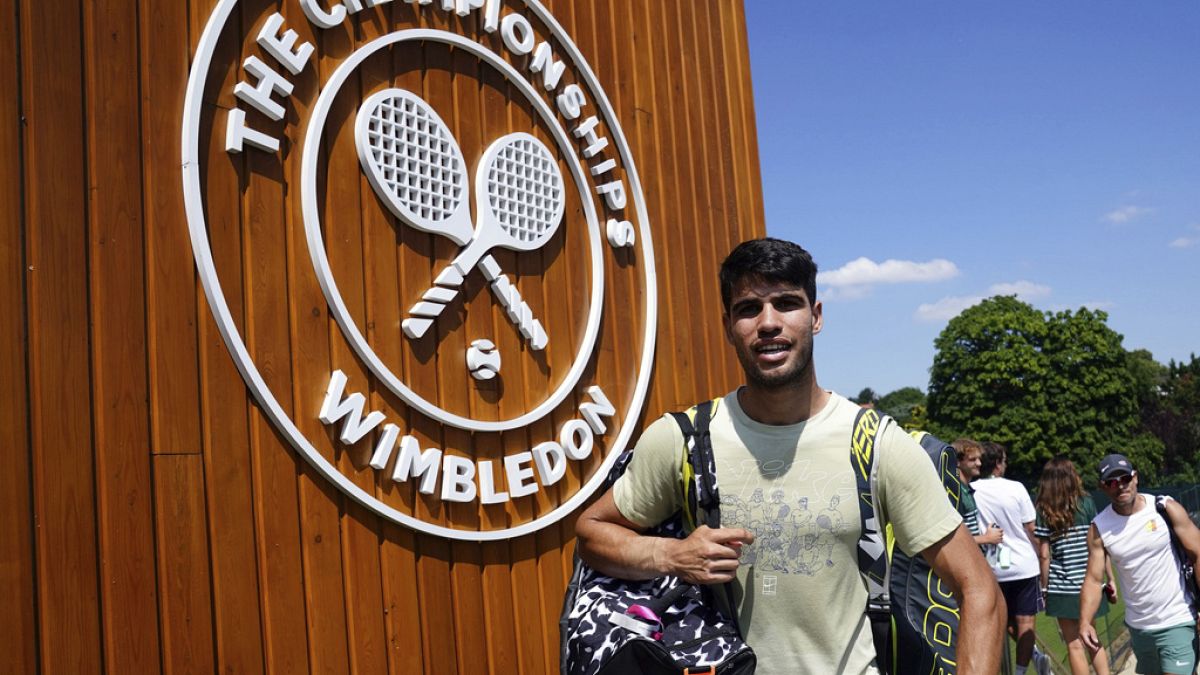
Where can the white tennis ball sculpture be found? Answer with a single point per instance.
(483, 361)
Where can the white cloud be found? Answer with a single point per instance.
(1187, 242)
(946, 308)
(949, 307)
(845, 292)
(856, 278)
(1022, 289)
(1126, 214)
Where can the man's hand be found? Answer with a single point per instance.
(615, 546)
(707, 556)
(1087, 633)
(994, 535)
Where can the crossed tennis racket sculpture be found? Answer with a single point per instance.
(417, 169)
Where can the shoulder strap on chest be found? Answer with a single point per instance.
(700, 498)
(1187, 571)
(1160, 505)
(872, 551)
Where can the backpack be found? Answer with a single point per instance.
(924, 614)
(1187, 572)
(661, 625)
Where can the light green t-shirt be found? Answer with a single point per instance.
(800, 594)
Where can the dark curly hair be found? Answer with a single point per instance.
(770, 259)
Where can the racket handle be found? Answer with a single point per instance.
(447, 284)
(433, 301)
(519, 313)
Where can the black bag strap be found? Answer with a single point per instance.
(1187, 571)
(872, 548)
(701, 501)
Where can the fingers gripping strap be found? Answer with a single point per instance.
(871, 553)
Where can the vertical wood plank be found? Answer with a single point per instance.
(225, 408)
(498, 581)
(361, 529)
(320, 503)
(466, 568)
(676, 217)
(737, 55)
(56, 254)
(274, 466)
(118, 339)
(171, 304)
(689, 143)
(18, 642)
(185, 611)
(729, 235)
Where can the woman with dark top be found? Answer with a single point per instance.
(1064, 513)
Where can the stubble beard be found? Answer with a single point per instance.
(779, 378)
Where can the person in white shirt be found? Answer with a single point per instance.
(1006, 504)
(1132, 533)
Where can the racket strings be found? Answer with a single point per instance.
(525, 190)
(416, 157)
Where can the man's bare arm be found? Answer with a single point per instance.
(1089, 593)
(958, 563)
(615, 546)
(1185, 529)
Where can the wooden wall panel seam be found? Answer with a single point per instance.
(125, 542)
(25, 610)
(64, 507)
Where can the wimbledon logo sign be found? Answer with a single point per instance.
(523, 407)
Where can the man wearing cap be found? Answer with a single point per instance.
(1162, 624)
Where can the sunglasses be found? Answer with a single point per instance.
(1122, 481)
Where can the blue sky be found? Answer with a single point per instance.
(932, 153)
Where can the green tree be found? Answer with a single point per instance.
(900, 403)
(1040, 383)
(1177, 421)
(867, 395)
(920, 420)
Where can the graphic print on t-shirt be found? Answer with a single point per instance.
(792, 535)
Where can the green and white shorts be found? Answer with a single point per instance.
(1166, 650)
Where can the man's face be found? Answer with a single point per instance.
(970, 464)
(771, 326)
(1121, 490)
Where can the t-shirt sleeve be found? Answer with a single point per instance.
(911, 494)
(648, 492)
(1028, 513)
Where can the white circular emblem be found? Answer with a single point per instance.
(550, 192)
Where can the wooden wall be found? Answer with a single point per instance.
(151, 518)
